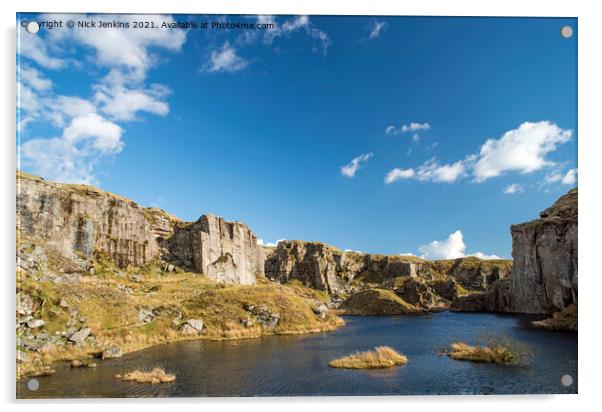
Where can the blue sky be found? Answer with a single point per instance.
(390, 135)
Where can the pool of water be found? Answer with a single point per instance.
(298, 365)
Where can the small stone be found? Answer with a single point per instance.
(171, 268)
(63, 304)
(92, 271)
(76, 364)
(145, 315)
(196, 324)
(80, 335)
(35, 323)
(136, 278)
(24, 304)
(112, 352)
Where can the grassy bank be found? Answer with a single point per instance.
(111, 301)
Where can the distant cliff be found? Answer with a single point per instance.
(327, 268)
(544, 274)
(81, 223)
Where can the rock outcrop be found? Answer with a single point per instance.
(544, 274)
(78, 224)
(225, 251)
(80, 221)
(327, 268)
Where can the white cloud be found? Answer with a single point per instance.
(33, 78)
(288, 27)
(411, 127)
(484, 256)
(73, 156)
(123, 104)
(520, 150)
(303, 22)
(451, 248)
(570, 178)
(376, 28)
(296, 23)
(35, 48)
(355, 164)
(225, 60)
(88, 136)
(128, 48)
(430, 171)
(102, 134)
(407, 254)
(513, 189)
(270, 244)
(399, 174)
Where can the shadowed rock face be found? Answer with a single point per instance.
(82, 223)
(544, 274)
(79, 221)
(324, 267)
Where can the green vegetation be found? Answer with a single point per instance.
(375, 302)
(380, 357)
(155, 376)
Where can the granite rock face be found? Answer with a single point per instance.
(327, 268)
(78, 221)
(77, 224)
(544, 274)
(224, 251)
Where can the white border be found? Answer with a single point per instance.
(590, 133)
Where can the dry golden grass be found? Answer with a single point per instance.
(155, 376)
(490, 354)
(112, 314)
(380, 357)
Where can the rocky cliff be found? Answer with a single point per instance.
(79, 224)
(225, 251)
(544, 274)
(327, 268)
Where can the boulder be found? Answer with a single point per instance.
(146, 315)
(320, 310)
(80, 335)
(25, 304)
(35, 323)
(112, 352)
(196, 324)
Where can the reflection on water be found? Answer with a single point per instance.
(298, 365)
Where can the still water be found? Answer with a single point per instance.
(298, 365)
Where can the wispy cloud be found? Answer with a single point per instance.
(514, 188)
(226, 60)
(411, 127)
(523, 150)
(351, 168)
(430, 171)
(376, 28)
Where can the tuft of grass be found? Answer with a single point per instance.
(155, 376)
(491, 349)
(380, 357)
